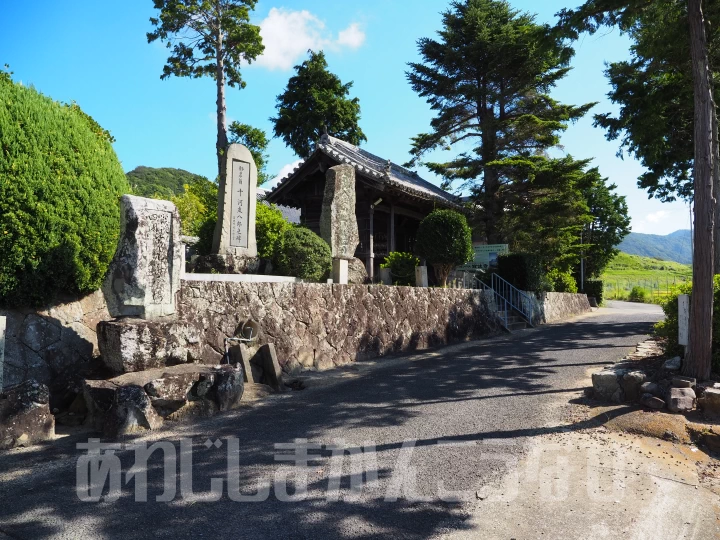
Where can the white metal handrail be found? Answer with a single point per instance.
(511, 298)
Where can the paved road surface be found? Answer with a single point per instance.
(457, 420)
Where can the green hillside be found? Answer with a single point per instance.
(676, 246)
(653, 275)
(159, 182)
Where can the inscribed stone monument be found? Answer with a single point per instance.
(144, 276)
(338, 224)
(235, 229)
(683, 319)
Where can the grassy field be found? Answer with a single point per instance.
(654, 276)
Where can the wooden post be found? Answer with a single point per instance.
(391, 244)
(371, 263)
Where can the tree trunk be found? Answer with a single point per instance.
(222, 142)
(699, 352)
(716, 186)
(492, 208)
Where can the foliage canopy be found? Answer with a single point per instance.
(444, 239)
(159, 183)
(488, 79)
(60, 182)
(316, 99)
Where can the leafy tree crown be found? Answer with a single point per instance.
(315, 99)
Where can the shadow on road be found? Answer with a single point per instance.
(38, 500)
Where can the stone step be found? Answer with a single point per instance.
(517, 326)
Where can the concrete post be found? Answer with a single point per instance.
(421, 276)
(683, 318)
(340, 271)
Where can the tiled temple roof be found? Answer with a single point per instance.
(379, 169)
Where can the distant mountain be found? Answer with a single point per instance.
(163, 182)
(676, 246)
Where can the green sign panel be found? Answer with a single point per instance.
(485, 257)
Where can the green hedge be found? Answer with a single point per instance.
(668, 328)
(595, 288)
(60, 182)
(402, 267)
(522, 270)
(270, 226)
(562, 281)
(303, 254)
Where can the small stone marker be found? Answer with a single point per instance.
(421, 276)
(338, 223)
(235, 229)
(144, 276)
(3, 325)
(340, 271)
(683, 318)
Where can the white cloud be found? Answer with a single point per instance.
(287, 169)
(287, 36)
(352, 37)
(657, 217)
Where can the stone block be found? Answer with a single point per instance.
(711, 403)
(338, 223)
(421, 276)
(144, 275)
(340, 271)
(651, 401)
(683, 382)
(38, 332)
(385, 276)
(128, 345)
(25, 416)
(266, 358)
(673, 364)
(357, 273)
(652, 389)
(606, 384)
(681, 399)
(136, 402)
(242, 354)
(235, 232)
(631, 385)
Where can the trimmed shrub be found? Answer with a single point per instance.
(402, 267)
(562, 281)
(444, 239)
(523, 271)
(595, 288)
(668, 328)
(270, 225)
(637, 294)
(303, 254)
(60, 182)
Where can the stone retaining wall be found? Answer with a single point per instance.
(50, 343)
(552, 307)
(315, 325)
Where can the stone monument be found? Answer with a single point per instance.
(234, 238)
(144, 276)
(683, 319)
(338, 223)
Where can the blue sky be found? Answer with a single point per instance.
(96, 53)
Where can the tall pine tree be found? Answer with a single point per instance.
(488, 79)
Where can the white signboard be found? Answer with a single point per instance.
(485, 257)
(240, 204)
(683, 319)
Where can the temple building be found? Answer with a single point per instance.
(391, 200)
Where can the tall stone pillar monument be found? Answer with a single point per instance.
(338, 223)
(235, 230)
(144, 275)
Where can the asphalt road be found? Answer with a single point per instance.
(450, 421)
